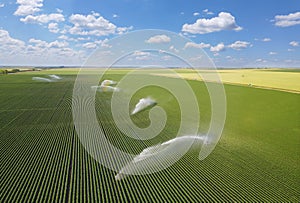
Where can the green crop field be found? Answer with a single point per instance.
(43, 160)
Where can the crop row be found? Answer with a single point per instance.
(43, 160)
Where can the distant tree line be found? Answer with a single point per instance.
(14, 70)
(3, 71)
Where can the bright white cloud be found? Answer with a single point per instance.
(122, 30)
(266, 40)
(206, 11)
(65, 37)
(196, 14)
(115, 16)
(59, 10)
(9, 44)
(142, 58)
(238, 45)
(38, 43)
(158, 39)
(272, 53)
(44, 18)
(172, 48)
(294, 43)
(2, 5)
(261, 61)
(58, 44)
(55, 52)
(141, 53)
(287, 20)
(28, 7)
(218, 48)
(53, 27)
(195, 45)
(93, 24)
(94, 44)
(37, 52)
(44, 44)
(90, 45)
(224, 21)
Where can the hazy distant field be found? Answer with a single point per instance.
(257, 158)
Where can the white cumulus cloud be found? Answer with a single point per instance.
(44, 44)
(141, 53)
(287, 20)
(37, 52)
(90, 45)
(122, 30)
(261, 60)
(266, 40)
(218, 48)
(195, 45)
(93, 24)
(158, 39)
(294, 43)
(224, 21)
(206, 11)
(44, 18)
(58, 44)
(96, 44)
(28, 7)
(238, 45)
(53, 27)
(8, 43)
(172, 48)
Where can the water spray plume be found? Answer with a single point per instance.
(41, 79)
(102, 88)
(106, 86)
(157, 153)
(143, 104)
(56, 77)
(108, 82)
(185, 118)
(107, 89)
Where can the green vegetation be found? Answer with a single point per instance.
(3, 71)
(43, 160)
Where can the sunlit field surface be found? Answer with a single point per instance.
(257, 158)
(280, 79)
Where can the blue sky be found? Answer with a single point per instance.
(233, 33)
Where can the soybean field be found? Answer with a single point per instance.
(43, 160)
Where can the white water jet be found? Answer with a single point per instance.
(106, 86)
(143, 104)
(56, 77)
(102, 88)
(157, 153)
(108, 83)
(41, 79)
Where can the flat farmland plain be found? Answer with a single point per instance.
(280, 79)
(257, 158)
